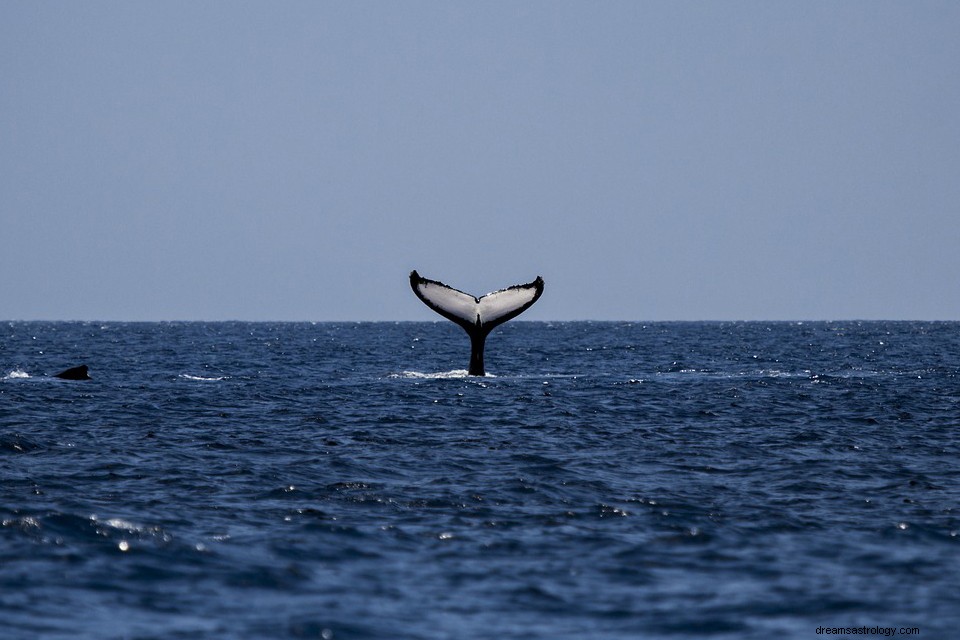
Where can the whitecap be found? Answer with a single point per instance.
(119, 523)
(187, 376)
(16, 374)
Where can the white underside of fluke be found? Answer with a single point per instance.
(487, 309)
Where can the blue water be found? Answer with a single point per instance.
(608, 480)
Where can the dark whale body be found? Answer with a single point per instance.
(74, 373)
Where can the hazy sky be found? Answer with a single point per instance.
(651, 160)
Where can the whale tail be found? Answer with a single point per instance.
(477, 316)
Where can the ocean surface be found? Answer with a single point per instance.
(605, 480)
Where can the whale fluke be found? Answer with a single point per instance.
(477, 316)
(74, 373)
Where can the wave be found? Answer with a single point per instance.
(16, 374)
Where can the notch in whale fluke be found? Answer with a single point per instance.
(477, 316)
(74, 373)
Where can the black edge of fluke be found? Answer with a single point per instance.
(74, 373)
(467, 310)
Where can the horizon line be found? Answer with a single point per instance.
(441, 321)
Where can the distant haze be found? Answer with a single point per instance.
(651, 160)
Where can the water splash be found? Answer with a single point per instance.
(440, 375)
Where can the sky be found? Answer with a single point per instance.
(184, 160)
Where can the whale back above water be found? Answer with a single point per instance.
(74, 373)
(477, 316)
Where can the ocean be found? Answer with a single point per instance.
(604, 480)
